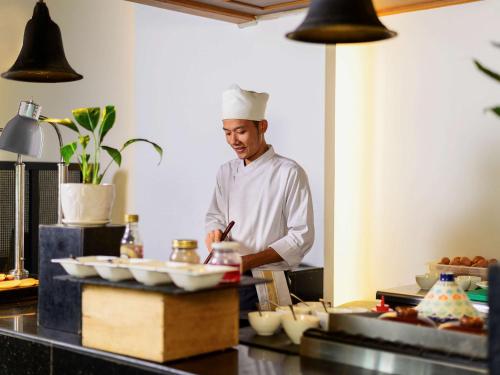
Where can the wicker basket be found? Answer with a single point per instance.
(434, 267)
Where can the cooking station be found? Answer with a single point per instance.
(354, 344)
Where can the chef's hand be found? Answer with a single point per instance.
(213, 236)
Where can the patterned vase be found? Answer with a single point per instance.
(446, 301)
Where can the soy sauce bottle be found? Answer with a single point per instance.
(131, 245)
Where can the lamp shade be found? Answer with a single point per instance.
(341, 21)
(22, 134)
(42, 57)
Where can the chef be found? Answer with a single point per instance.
(266, 195)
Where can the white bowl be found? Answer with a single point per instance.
(425, 282)
(473, 282)
(77, 267)
(324, 316)
(303, 310)
(150, 271)
(313, 306)
(113, 271)
(197, 276)
(265, 325)
(150, 277)
(463, 281)
(295, 328)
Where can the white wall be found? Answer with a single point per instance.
(98, 39)
(418, 161)
(183, 63)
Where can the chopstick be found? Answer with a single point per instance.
(222, 238)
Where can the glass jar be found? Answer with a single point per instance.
(226, 254)
(131, 244)
(184, 251)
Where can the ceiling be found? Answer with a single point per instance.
(243, 11)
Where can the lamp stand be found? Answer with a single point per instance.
(19, 272)
(62, 177)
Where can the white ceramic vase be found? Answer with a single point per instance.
(87, 204)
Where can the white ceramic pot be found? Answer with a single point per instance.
(87, 204)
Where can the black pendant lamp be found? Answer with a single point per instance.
(341, 21)
(42, 57)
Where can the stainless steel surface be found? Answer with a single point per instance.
(380, 360)
(62, 176)
(469, 345)
(19, 272)
(62, 171)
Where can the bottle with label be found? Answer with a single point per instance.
(226, 254)
(131, 245)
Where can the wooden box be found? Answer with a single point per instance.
(156, 326)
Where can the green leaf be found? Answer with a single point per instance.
(63, 121)
(114, 153)
(495, 110)
(158, 149)
(87, 117)
(68, 151)
(84, 140)
(486, 71)
(108, 120)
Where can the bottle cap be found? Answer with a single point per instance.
(447, 276)
(226, 245)
(131, 218)
(185, 244)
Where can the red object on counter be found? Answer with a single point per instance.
(383, 307)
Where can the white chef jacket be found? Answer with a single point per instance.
(270, 202)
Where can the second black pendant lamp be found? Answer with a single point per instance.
(42, 57)
(341, 21)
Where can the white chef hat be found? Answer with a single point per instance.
(243, 105)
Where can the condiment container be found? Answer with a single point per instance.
(226, 254)
(446, 301)
(184, 251)
(131, 245)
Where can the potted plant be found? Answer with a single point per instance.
(492, 74)
(90, 202)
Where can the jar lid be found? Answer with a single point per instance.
(131, 218)
(185, 244)
(226, 245)
(447, 276)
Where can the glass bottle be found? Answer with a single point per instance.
(131, 245)
(226, 254)
(184, 251)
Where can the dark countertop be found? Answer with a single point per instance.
(26, 348)
(412, 295)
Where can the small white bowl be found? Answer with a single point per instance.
(473, 282)
(303, 310)
(150, 271)
(463, 282)
(313, 306)
(265, 325)
(295, 328)
(116, 270)
(77, 267)
(149, 276)
(324, 316)
(197, 276)
(425, 282)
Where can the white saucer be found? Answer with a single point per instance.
(95, 223)
(482, 284)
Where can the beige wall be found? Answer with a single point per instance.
(99, 43)
(417, 159)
